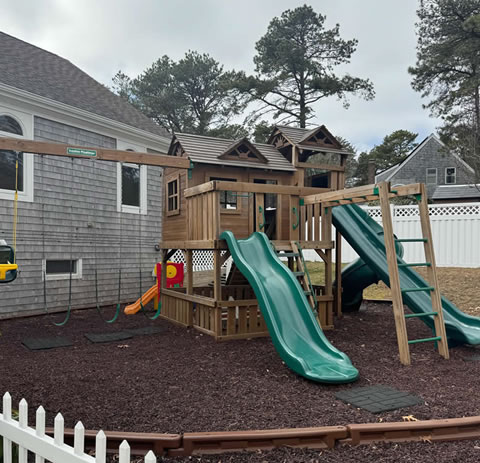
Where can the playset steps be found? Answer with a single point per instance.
(439, 332)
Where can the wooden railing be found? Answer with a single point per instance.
(206, 219)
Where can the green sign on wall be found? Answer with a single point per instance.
(82, 152)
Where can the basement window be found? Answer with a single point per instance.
(59, 269)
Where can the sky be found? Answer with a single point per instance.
(104, 36)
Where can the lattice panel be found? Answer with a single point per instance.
(202, 260)
(374, 212)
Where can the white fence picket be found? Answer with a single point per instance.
(150, 457)
(100, 447)
(79, 439)
(124, 452)
(7, 416)
(23, 423)
(54, 449)
(40, 430)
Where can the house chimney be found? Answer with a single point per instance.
(371, 171)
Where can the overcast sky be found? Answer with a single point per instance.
(104, 36)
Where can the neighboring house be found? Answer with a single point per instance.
(430, 163)
(106, 214)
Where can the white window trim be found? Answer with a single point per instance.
(427, 175)
(78, 275)
(455, 170)
(26, 123)
(143, 190)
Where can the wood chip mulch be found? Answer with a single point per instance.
(182, 381)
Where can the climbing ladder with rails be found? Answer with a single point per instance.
(397, 291)
(295, 255)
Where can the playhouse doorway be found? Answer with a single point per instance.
(270, 210)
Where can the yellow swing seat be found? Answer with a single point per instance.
(4, 268)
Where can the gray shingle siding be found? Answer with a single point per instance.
(431, 154)
(79, 200)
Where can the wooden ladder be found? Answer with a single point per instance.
(440, 336)
(302, 274)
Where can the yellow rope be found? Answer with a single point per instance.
(15, 203)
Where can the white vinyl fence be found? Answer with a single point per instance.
(33, 441)
(455, 230)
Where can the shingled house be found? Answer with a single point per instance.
(47, 98)
(430, 163)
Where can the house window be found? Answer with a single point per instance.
(59, 269)
(450, 175)
(228, 199)
(431, 176)
(131, 188)
(172, 195)
(8, 127)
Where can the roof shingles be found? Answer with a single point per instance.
(207, 150)
(34, 70)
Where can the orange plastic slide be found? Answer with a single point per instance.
(146, 298)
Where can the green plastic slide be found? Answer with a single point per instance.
(361, 232)
(291, 322)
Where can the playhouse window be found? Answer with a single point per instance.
(228, 199)
(431, 176)
(172, 195)
(59, 269)
(450, 175)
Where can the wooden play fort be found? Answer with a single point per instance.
(286, 188)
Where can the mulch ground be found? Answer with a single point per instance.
(181, 381)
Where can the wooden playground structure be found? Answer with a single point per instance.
(280, 188)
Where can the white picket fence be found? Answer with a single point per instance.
(52, 449)
(455, 231)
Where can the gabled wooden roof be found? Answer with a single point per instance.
(243, 149)
(211, 150)
(317, 139)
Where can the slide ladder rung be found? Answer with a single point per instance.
(288, 254)
(414, 290)
(416, 341)
(307, 293)
(411, 240)
(299, 274)
(418, 315)
(416, 264)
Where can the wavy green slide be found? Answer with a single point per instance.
(291, 322)
(362, 233)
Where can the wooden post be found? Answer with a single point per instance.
(394, 277)
(189, 264)
(260, 212)
(432, 275)
(338, 248)
(217, 292)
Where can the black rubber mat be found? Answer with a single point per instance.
(46, 343)
(147, 330)
(108, 337)
(378, 399)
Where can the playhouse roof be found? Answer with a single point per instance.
(211, 150)
(37, 71)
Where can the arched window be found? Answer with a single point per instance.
(10, 126)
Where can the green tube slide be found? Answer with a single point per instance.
(357, 228)
(357, 275)
(295, 332)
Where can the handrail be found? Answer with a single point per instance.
(247, 187)
(359, 194)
